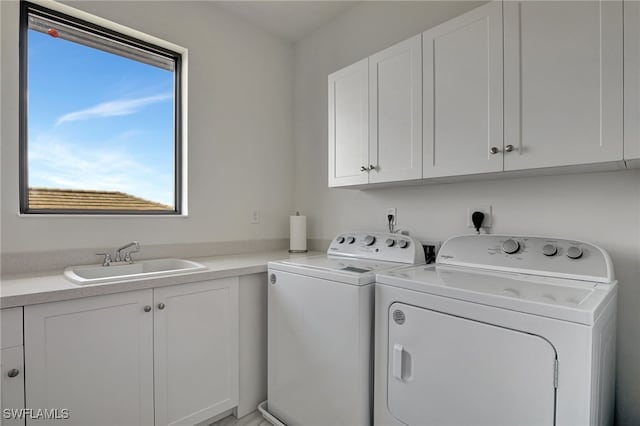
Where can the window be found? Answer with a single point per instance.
(99, 119)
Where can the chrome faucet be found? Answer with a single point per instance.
(127, 256)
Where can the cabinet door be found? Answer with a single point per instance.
(462, 65)
(632, 80)
(395, 120)
(12, 385)
(349, 125)
(563, 83)
(11, 367)
(195, 351)
(92, 356)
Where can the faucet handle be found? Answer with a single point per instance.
(107, 258)
(127, 255)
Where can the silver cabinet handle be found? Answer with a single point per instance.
(363, 169)
(147, 308)
(508, 148)
(13, 372)
(161, 306)
(494, 150)
(371, 167)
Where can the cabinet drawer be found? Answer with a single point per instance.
(11, 320)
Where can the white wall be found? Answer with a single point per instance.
(603, 208)
(240, 133)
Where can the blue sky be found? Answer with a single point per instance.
(98, 121)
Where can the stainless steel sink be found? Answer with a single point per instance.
(95, 274)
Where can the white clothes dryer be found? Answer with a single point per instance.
(320, 329)
(502, 330)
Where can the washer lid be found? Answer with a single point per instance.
(558, 298)
(335, 268)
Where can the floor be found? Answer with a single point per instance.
(252, 419)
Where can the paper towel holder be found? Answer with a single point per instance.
(298, 251)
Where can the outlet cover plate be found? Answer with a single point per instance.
(488, 215)
(394, 212)
(255, 216)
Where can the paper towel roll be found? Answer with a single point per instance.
(297, 234)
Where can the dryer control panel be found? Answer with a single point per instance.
(544, 256)
(379, 246)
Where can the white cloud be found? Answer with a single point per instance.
(113, 108)
(55, 164)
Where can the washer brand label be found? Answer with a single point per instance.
(398, 317)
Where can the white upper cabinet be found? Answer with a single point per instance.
(395, 120)
(632, 80)
(349, 125)
(462, 63)
(508, 86)
(562, 83)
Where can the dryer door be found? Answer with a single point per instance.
(448, 370)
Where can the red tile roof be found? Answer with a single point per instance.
(75, 199)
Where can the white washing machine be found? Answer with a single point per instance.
(320, 329)
(501, 331)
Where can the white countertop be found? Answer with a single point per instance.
(42, 287)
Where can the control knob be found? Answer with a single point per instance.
(390, 242)
(510, 246)
(369, 240)
(340, 239)
(574, 252)
(403, 244)
(549, 250)
(351, 240)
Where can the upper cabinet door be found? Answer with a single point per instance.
(631, 80)
(349, 125)
(395, 85)
(563, 83)
(462, 61)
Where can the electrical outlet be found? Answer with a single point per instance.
(393, 212)
(488, 216)
(255, 216)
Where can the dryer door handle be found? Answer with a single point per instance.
(397, 361)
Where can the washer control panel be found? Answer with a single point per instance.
(554, 257)
(378, 245)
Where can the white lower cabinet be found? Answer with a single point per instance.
(105, 358)
(11, 367)
(93, 357)
(195, 351)
(12, 385)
